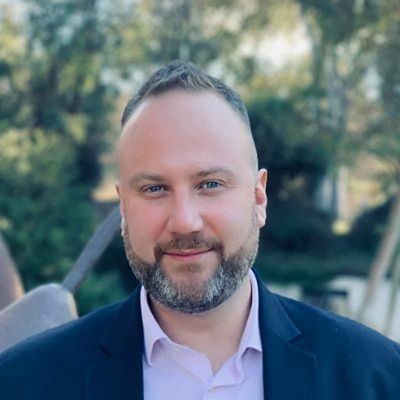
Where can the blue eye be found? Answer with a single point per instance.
(210, 185)
(154, 188)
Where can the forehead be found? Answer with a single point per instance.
(186, 130)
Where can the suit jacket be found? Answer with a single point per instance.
(308, 354)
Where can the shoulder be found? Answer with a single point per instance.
(66, 347)
(84, 329)
(53, 364)
(352, 359)
(329, 333)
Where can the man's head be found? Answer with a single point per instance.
(191, 196)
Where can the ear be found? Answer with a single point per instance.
(261, 197)
(121, 201)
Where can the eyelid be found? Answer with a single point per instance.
(219, 182)
(146, 188)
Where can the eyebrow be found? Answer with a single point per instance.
(148, 176)
(213, 171)
(145, 176)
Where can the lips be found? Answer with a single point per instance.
(187, 254)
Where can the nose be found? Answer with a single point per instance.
(185, 217)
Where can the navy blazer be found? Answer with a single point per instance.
(308, 354)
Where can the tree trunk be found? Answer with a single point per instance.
(384, 255)
(394, 291)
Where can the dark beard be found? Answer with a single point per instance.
(229, 274)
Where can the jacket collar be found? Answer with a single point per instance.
(289, 372)
(119, 374)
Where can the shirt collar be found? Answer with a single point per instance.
(151, 329)
(154, 334)
(251, 338)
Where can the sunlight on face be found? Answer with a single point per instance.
(191, 203)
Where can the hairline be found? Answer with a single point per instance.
(194, 90)
(192, 80)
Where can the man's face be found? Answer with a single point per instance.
(191, 202)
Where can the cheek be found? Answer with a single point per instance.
(231, 224)
(145, 224)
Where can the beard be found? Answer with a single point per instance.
(194, 297)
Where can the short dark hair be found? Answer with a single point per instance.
(186, 76)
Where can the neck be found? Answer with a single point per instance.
(215, 333)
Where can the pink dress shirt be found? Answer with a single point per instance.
(172, 371)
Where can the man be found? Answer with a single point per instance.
(201, 326)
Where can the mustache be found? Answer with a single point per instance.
(187, 242)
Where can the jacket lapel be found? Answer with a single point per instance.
(119, 373)
(289, 371)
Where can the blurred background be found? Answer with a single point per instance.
(321, 80)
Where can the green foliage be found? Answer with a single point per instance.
(12, 76)
(114, 259)
(368, 228)
(60, 65)
(54, 77)
(383, 135)
(355, 63)
(55, 110)
(294, 228)
(150, 33)
(309, 269)
(45, 217)
(99, 290)
(339, 20)
(112, 279)
(295, 155)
